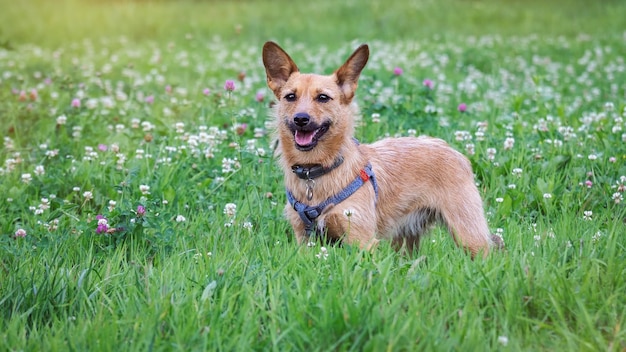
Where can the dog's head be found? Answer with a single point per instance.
(314, 111)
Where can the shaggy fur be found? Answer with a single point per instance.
(420, 180)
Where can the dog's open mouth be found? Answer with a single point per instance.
(306, 139)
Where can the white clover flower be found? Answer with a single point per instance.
(26, 178)
(323, 254)
(20, 233)
(39, 170)
(230, 209)
(144, 189)
(180, 218)
(587, 214)
(596, 237)
(88, 195)
(509, 143)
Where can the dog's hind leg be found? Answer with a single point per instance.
(464, 217)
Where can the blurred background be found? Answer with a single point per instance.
(53, 23)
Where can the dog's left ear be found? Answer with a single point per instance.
(348, 74)
(278, 66)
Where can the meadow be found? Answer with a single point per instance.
(141, 203)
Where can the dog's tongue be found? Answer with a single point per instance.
(304, 138)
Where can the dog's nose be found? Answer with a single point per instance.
(301, 119)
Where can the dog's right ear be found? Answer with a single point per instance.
(278, 66)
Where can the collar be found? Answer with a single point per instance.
(309, 172)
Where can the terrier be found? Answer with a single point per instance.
(395, 188)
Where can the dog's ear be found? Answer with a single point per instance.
(278, 66)
(348, 74)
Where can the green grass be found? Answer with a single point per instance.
(545, 78)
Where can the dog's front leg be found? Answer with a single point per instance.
(352, 228)
(299, 229)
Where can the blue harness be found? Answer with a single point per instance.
(308, 213)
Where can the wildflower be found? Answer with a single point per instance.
(144, 189)
(503, 340)
(428, 83)
(230, 210)
(462, 135)
(26, 178)
(617, 197)
(348, 212)
(88, 195)
(323, 254)
(547, 195)
(141, 210)
(61, 120)
(397, 71)
(588, 184)
(375, 117)
(587, 214)
(260, 96)
(180, 218)
(206, 91)
(229, 85)
(20, 233)
(76, 103)
(149, 99)
(612, 159)
(517, 172)
(499, 200)
(491, 153)
(462, 107)
(102, 147)
(241, 128)
(596, 237)
(592, 157)
(39, 170)
(112, 205)
(76, 189)
(103, 224)
(247, 225)
(509, 142)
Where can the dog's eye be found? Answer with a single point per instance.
(290, 97)
(322, 98)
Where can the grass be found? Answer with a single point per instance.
(117, 111)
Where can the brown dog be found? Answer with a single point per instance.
(395, 188)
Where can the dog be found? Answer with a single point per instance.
(337, 188)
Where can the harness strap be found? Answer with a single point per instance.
(308, 213)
